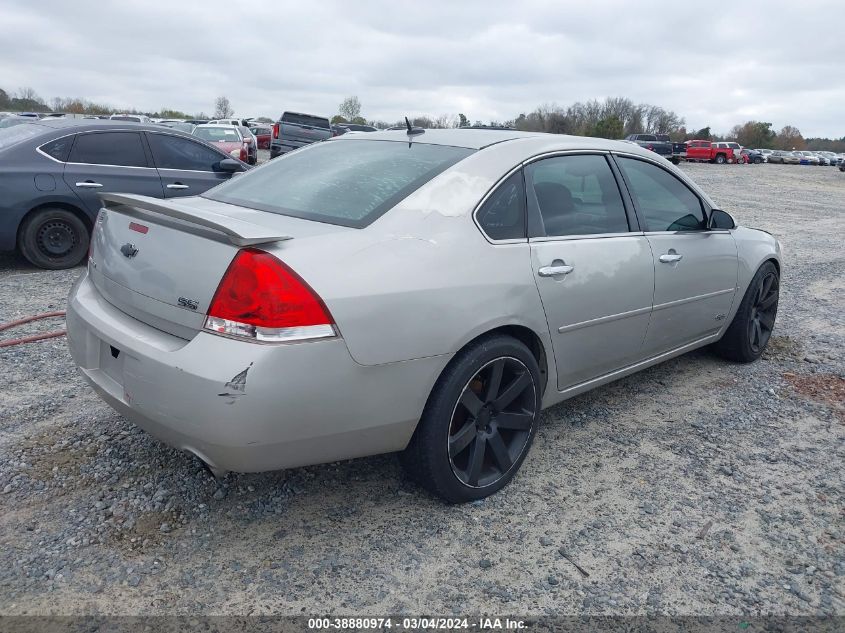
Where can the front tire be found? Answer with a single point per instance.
(53, 238)
(750, 331)
(479, 421)
(720, 159)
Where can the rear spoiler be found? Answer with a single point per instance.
(238, 232)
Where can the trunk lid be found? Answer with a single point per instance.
(160, 261)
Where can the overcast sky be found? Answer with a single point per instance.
(714, 63)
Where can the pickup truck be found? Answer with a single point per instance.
(657, 143)
(294, 129)
(706, 151)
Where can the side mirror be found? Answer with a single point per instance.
(720, 220)
(230, 165)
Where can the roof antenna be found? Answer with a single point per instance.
(413, 131)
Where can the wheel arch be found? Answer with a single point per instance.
(529, 338)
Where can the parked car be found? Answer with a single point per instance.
(182, 126)
(235, 122)
(765, 153)
(51, 172)
(294, 129)
(134, 118)
(823, 160)
(252, 144)
(356, 127)
(196, 121)
(262, 134)
(806, 157)
(752, 156)
(338, 131)
(280, 322)
(707, 151)
(226, 138)
(658, 143)
(783, 157)
(831, 156)
(842, 163)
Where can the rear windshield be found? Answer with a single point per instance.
(217, 134)
(306, 119)
(350, 183)
(11, 135)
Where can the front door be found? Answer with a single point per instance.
(695, 268)
(595, 274)
(186, 167)
(113, 162)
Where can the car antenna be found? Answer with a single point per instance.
(413, 131)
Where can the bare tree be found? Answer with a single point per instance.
(222, 108)
(350, 108)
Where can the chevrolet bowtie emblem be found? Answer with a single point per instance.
(129, 250)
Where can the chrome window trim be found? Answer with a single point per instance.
(564, 152)
(164, 132)
(585, 236)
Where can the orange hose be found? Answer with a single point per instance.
(35, 337)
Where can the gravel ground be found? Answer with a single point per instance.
(695, 487)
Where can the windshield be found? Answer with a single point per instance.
(350, 183)
(228, 134)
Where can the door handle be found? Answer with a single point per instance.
(88, 184)
(551, 271)
(178, 185)
(671, 257)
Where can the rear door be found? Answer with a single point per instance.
(186, 167)
(593, 268)
(114, 162)
(695, 269)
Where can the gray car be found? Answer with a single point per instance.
(52, 170)
(426, 292)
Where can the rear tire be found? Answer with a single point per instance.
(479, 421)
(750, 331)
(720, 159)
(53, 238)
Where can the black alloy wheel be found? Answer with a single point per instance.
(763, 312)
(491, 423)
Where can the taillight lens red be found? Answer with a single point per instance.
(275, 130)
(260, 298)
(244, 154)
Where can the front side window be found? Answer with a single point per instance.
(502, 216)
(350, 183)
(173, 152)
(666, 203)
(577, 195)
(109, 148)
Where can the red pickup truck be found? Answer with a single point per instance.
(711, 152)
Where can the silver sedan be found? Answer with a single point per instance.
(419, 291)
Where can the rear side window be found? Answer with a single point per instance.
(306, 119)
(174, 152)
(502, 216)
(577, 195)
(59, 149)
(109, 148)
(350, 183)
(666, 202)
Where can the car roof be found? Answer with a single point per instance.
(73, 126)
(475, 138)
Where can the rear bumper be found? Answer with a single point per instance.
(300, 404)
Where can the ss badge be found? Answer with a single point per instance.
(187, 303)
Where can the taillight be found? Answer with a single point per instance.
(261, 299)
(244, 154)
(97, 221)
(275, 130)
(650, 147)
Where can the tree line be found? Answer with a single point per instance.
(612, 118)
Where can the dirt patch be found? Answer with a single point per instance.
(783, 348)
(826, 388)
